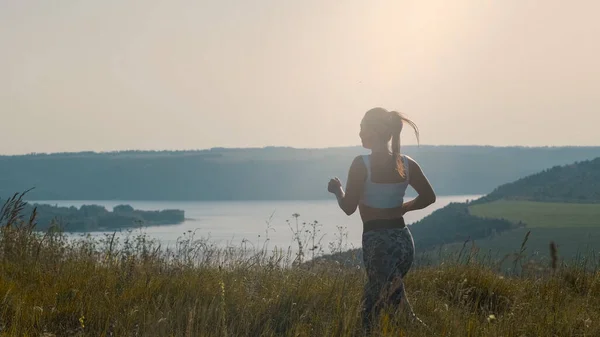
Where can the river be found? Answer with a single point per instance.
(230, 222)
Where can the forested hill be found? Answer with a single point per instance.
(259, 174)
(578, 182)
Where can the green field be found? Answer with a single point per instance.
(575, 228)
(572, 243)
(541, 214)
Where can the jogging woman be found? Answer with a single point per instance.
(376, 186)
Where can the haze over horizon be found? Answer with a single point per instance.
(110, 75)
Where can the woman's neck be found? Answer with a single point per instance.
(384, 149)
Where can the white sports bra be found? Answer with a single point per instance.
(381, 195)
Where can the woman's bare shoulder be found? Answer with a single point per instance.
(410, 160)
(358, 164)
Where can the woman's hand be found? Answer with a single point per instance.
(335, 186)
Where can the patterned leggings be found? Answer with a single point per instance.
(388, 255)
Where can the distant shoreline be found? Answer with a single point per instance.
(260, 174)
(93, 216)
(270, 148)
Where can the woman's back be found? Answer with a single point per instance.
(384, 187)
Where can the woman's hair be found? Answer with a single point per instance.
(389, 124)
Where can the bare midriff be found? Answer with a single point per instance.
(369, 213)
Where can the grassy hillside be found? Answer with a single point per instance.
(540, 214)
(52, 287)
(574, 227)
(557, 205)
(572, 244)
(258, 174)
(454, 223)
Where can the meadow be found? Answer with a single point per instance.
(574, 228)
(52, 286)
(541, 214)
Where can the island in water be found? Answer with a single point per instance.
(89, 218)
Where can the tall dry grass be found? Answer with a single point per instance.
(53, 286)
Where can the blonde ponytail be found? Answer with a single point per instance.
(396, 123)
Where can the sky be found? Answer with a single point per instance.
(83, 75)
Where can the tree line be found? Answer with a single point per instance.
(259, 174)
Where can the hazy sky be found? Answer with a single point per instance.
(148, 74)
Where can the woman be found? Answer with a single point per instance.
(376, 185)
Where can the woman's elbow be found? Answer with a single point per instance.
(431, 199)
(349, 210)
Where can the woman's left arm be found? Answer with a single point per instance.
(425, 194)
(348, 200)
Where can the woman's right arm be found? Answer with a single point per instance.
(348, 200)
(418, 181)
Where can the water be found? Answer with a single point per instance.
(229, 222)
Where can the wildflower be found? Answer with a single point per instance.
(222, 285)
(491, 318)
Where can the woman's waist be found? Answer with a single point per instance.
(368, 213)
(376, 224)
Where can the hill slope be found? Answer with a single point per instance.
(560, 205)
(563, 198)
(578, 182)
